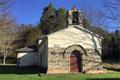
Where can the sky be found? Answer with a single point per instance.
(29, 11)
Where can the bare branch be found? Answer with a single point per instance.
(112, 8)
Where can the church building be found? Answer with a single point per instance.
(71, 50)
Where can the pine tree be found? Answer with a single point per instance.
(48, 19)
(61, 19)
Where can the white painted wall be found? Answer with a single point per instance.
(28, 58)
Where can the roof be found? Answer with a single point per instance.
(78, 27)
(43, 36)
(82, 28)
(26, 49)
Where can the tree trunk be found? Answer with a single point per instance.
(4, 59)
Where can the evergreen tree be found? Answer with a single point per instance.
(113, 47)
(52, 20)
(61, 19)
(48, 19)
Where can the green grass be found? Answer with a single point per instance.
(12, 72)
(109, 76)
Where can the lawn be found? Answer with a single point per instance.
(109, 76)
(11, 72)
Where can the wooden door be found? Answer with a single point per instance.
(73, 63)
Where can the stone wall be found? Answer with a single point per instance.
(58, 62)
(92, 61)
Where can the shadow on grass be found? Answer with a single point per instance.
(105, 79)
(113, 69)
(8, 69)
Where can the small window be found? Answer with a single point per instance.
(56, 46)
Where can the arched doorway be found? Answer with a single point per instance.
(75, 61)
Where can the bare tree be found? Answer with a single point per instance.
(112, 10)
(5, 5)
(94, 16)
(7, 36)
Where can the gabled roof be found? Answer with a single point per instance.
(80, 28)
(25, 49)
(88, 31)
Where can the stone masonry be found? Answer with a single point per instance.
(59, 59)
